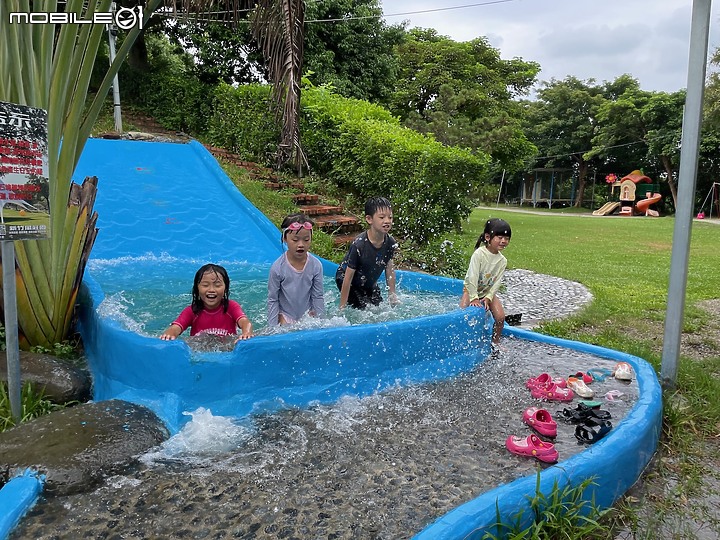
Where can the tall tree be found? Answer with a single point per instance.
(648, 122)
(348, 45)
(278, 27)
(562, 123)
(464, 94)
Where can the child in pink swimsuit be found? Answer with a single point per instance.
(211, 311)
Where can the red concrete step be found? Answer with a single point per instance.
(335, 221)
(320, 209)
(305, 198)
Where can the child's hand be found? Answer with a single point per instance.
(393, 299)
(477, 303)
(167, 337)
(244, 336)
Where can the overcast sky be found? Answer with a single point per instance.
(602, 39)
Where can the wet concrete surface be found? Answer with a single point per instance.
(383, 466)
(75, 448)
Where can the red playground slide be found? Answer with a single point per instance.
(643, 205)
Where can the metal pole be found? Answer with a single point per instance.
(692, 119)
(12, 347)
(112, 32)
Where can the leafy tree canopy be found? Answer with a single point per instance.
(464, 94)
(649, 124)
(563, 122)
(349, 47)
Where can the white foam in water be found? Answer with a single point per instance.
(204, 436)
(115, 306)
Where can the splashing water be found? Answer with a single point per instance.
(204, 436)
(145, 294)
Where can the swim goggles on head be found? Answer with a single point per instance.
(297, 226)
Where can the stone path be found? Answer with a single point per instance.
(542, 298)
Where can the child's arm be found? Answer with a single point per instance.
(246, 327)
(471, 280)
(345, 290)
(172, 332)
(390, 279)
(317, 294)
(273, 305)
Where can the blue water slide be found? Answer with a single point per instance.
(164, 201)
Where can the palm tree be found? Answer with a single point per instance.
(49, 66)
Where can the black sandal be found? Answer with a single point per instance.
(581, 414)
(590, 433)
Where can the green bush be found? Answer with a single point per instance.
(241, 122)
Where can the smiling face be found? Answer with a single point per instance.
(298, 244)
(211, 290)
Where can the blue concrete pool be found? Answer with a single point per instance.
(163, 201)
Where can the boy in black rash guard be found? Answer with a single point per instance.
(369, 255)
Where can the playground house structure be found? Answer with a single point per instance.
(636, 194)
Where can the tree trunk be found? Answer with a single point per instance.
(670, 171)
(582, 175)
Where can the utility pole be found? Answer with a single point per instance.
(687, 179)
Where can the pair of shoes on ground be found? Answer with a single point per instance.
(582, 413)
(592, 430)
(532, 446)
(544, 386)
(592, 423)
(579, 386)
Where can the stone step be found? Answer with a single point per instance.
(320, 209)
(305, 198)
(335, 221)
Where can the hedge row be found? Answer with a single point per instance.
(361, 147)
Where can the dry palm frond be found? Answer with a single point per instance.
(278, 27)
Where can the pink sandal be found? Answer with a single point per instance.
(544, 379)
(541, 421)
(552, 392)
(532, 446)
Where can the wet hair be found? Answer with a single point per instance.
(197, 304)
(494, 227)
(373, 204)
(294, 218)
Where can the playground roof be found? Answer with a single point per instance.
(637, 176)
